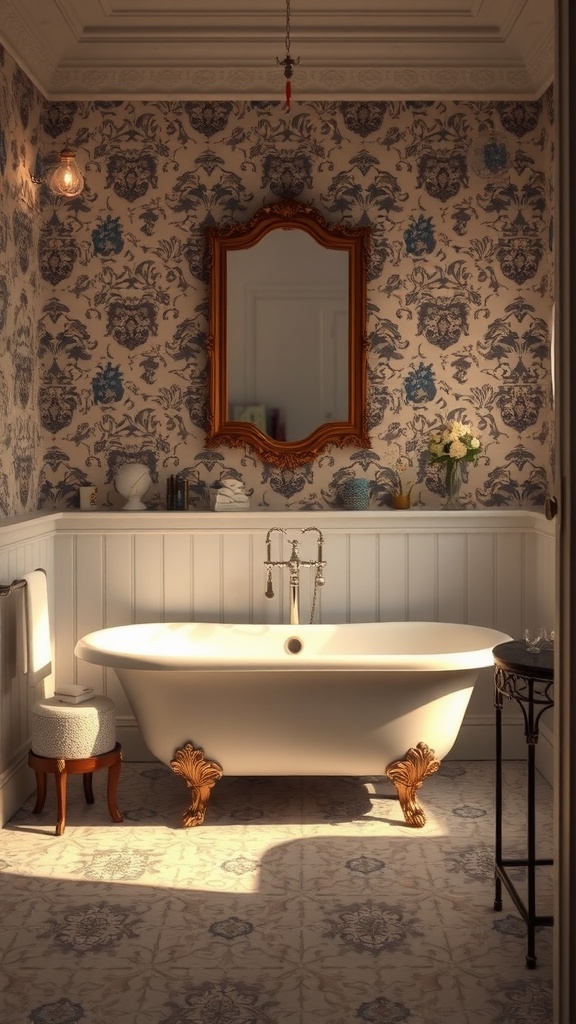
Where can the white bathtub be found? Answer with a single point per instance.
(346, 699)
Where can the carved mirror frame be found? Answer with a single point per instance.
(286, 215)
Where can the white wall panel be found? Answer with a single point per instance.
(363, 577)
(334, 597)
(510, 583)
(393, 576)
(532, 569)
(63, 613)
(540, 591)
(148, 577)
(24, 546)
(12, 684)
(177, 577)
(207, 577)
(236, 575)
(480, 578)
(118, 604)
(452, 578)
(422, 567)
(118, 555)
(89, 605)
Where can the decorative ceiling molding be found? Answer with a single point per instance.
(308, 84)
(386, 49)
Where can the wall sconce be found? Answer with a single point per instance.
(66, 178)
(63, 177)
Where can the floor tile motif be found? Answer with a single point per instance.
(299, 901)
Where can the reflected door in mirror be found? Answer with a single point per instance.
(287, 316)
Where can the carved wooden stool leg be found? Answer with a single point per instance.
(61, 777)
(87, 786)
(84, 766)
(407, 776)
(199, 775)
(112, 790)
(41, 790)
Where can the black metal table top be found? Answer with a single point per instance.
(513, 656)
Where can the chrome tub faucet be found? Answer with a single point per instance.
(294, 563)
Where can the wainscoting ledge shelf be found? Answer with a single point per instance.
(434, 520)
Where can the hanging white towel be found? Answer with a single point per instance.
(38, 646)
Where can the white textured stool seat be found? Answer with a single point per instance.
(73, 731)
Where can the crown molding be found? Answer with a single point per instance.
(406, 82)
(104, 50)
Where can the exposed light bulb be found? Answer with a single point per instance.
(66, 179)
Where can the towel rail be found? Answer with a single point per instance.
(8, 588)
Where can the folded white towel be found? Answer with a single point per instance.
(38, 646)
(72, 690)
(72, 694)
(231, 505)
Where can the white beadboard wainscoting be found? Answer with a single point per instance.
(108, 568)
(24, 545)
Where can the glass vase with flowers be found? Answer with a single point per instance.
(453, 444)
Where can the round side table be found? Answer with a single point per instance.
(528, 679)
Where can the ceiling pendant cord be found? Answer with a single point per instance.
(289, 62)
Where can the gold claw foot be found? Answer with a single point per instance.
(199, 775)
(407, 776)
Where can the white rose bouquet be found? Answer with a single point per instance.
(453, 444)
(453, 441)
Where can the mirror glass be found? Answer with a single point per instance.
(287, 334)
(281, 292)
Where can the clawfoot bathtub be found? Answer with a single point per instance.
(368, 698)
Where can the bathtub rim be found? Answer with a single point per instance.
(94, 648)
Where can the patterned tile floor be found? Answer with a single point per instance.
(300, 901)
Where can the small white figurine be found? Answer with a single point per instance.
(132, 481)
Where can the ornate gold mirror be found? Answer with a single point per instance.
(287, 335)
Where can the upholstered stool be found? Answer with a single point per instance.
(74, 739)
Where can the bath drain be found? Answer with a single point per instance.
(294, 645)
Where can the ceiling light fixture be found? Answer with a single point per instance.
(289, 62)
(66, 178)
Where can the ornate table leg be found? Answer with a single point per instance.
(527, 678)
(498, 806)
(199, 775)
(407, 776)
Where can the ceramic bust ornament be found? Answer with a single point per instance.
(132, 481)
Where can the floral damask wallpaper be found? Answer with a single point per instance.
(20, 292)
(458, 197)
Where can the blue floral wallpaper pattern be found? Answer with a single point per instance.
(459, 201)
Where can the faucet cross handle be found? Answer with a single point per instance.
(273, 529)
(308, 529)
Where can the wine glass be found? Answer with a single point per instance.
(534, 639)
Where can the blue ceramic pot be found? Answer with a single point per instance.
(355, 495)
